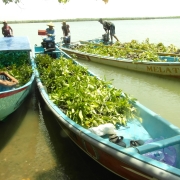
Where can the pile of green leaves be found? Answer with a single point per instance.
(116, 52)
(83, 97)
(16, 64)
(147, 46)
(134, 50)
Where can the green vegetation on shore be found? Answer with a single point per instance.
(92, 19)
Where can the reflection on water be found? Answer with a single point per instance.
(34, 147)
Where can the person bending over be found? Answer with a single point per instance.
(109, 28)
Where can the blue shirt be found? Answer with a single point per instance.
(52, 32)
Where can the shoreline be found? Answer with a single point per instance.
(91, 19)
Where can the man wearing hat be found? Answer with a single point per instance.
(109, 26)
(66, 32)
(7, 30)
(50, 31)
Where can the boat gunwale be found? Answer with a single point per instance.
(123, 59)
(22, 89)
(25, 85)
(137, 50)
(87, 135)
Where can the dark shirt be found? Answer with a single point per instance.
(107, 25)
(52, 32)
(66, 30)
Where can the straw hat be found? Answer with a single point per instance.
(64, 22)
(4, 21)
(50, 24)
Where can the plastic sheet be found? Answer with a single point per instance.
(166, 155)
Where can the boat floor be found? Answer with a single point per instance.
(132, 131)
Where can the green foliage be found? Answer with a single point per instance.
(9, 1)
(63, 1)
(83, 97)
(16, 64)
(116, 52)
(8, 58)
(18, 1)
(147, 46)
(134, 50)
(60, 1)
(22, 73)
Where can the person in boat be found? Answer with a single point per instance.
(7, 82)
(66, 32)
(109, 28)
(7, 30)
(50, 31)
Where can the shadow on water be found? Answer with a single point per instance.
(72, 162)
(34, 147)
(10, 124)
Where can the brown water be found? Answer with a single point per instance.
(160, 94)
(33, 146)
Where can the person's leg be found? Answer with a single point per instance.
(111, 38)
(111, 34)
(116, 37)
(112, 29)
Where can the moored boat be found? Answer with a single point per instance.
(173, 51)
(15, 58)
(168, 64)
(136, 150)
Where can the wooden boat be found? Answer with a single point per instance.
(169, 67)
(131, 162)
(11, 51)
(107, 43)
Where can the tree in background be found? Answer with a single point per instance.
(60, 1)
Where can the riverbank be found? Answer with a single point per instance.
(92, 19)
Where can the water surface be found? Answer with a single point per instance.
(33, 146)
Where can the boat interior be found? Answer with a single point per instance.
(154, 137)
(159, 140)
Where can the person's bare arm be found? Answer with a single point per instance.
(11, 31)
(10, 77)
(7, 83)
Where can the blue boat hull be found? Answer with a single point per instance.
(10, 100)
(130, 162)
(170, 66)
